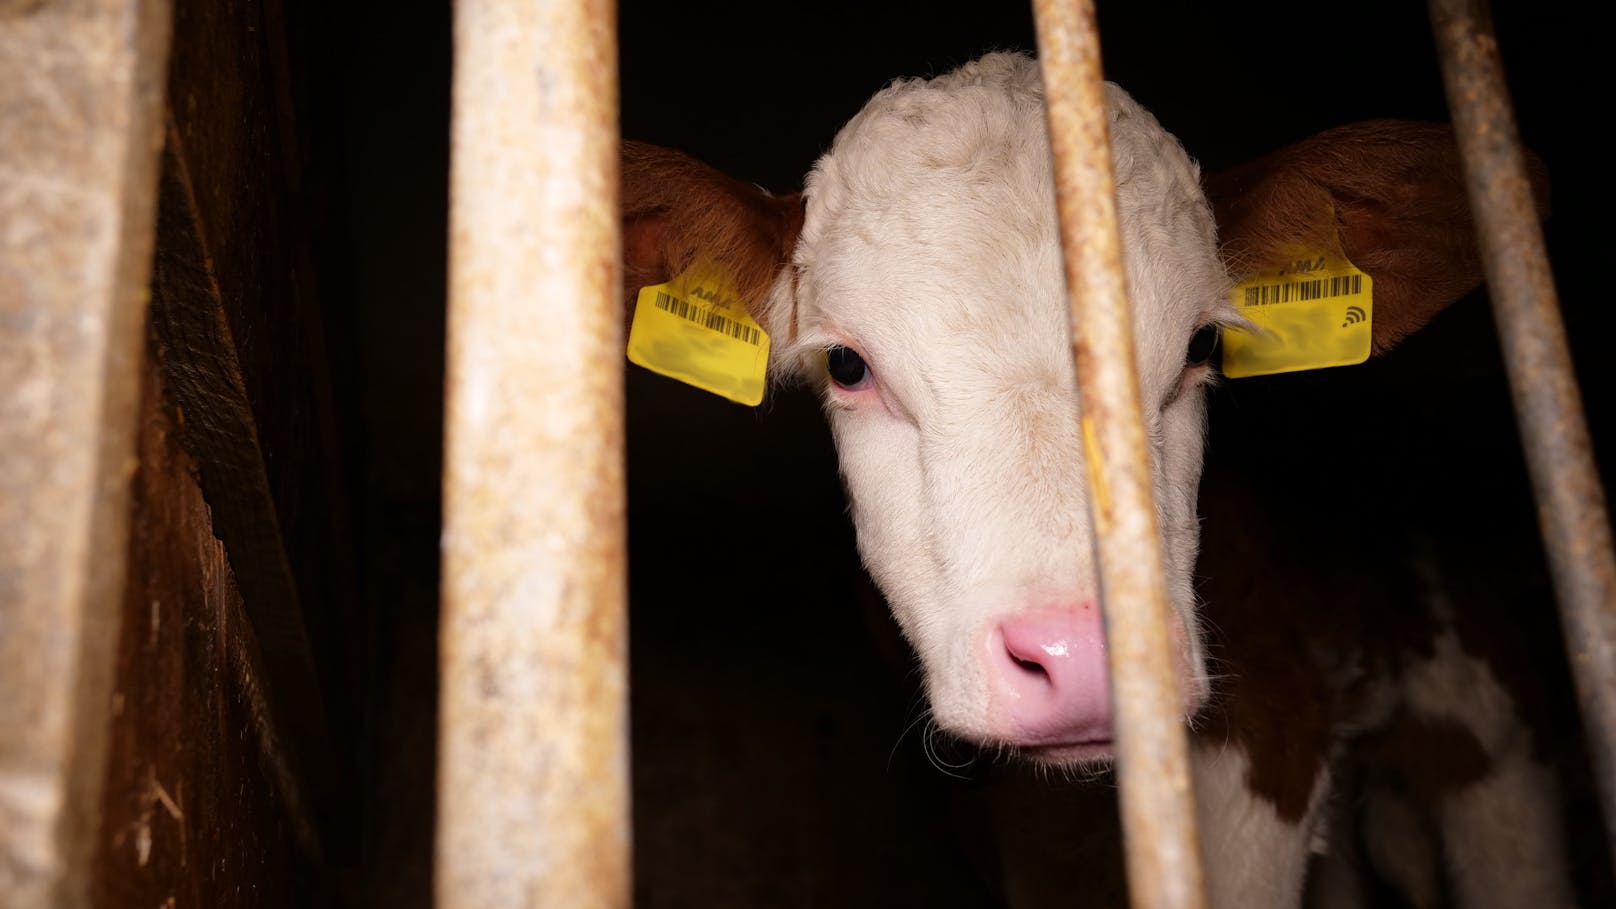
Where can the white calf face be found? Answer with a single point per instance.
(931, 250)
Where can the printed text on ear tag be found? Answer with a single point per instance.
(1315, 312)
(694, 329)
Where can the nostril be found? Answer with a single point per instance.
(1030, 667)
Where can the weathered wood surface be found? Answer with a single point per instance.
(235, 736)
(200, 804)
(193, 347)
(241, 340)
(80, 112)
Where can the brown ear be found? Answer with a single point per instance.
(676, 210)
(1401, 214)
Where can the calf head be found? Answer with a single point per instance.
(917, 281)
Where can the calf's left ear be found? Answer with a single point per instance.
(1388, 194)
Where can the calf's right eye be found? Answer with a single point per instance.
(846, 367)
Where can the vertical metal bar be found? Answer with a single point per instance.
(1559, 455)
(81, 100)
(533, 796)
(1158, 809)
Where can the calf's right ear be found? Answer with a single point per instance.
(677, 210)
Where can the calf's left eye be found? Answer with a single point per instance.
(1202, 345)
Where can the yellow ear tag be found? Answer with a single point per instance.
(696, 330)
(1315, 312)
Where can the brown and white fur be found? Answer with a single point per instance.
(925, 242)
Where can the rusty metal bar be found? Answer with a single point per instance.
(81, 101)
(533, 795)
(1158, 807)
(1548, 406)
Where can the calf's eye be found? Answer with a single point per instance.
(845, 366)
(1202, 345)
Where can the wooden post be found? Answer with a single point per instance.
(81, 104)
(533, 781)
(1158, 807)
(1548, 406)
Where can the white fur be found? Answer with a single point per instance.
(1253, 858)
(1502, 835)
(931, 247)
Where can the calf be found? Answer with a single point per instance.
(917, 281)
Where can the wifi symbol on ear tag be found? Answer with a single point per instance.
(1355, 314)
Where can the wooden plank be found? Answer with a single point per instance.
(203, 376)
(200, 807)
(221, 789)
(241, 335)
(236, 101)
(196, 355)
(81, 91)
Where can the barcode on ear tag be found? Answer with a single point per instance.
(1314, 313)
(694, 329)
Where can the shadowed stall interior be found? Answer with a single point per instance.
(294, 412)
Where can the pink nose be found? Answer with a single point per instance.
(1049, 677)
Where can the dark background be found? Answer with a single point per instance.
(770, 702)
